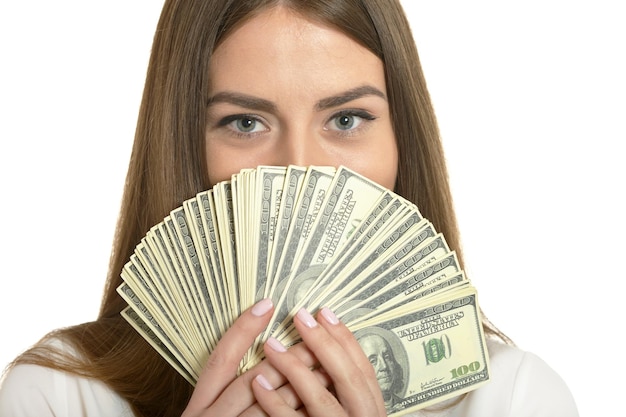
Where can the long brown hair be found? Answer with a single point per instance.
(168, 165)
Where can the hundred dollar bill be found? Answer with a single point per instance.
(349, 199)
(177, 324)
(386, 292)
(136, 289)
(159, 243)
(143, 270)
(385, 262)
(314, 236)
(206, 275)
(212, 260)
(292, 186)
(363, 246)
(264, 194)
(192, 295)
(181, 227)
(244, 206)
(235, 203)
(151, 337)
(309, 203)
(268, 195)
(390, 223)
(394, 299)
(404, 270)
(408, 273)
(374, 260)
(185, 353)
(222, 195)
(308, 206)
(427, 354)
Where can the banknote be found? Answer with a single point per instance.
(268, 196)
(177, 347)
(349, 200)
(207, 242)
(199, 248)
(294, 177)
(310, 237)
(309, 206)
(157, 343)
(179, 224)
(378, 258)
(222, 196)
(384, 234)
(424, 354)
(159, 244)
(427, 264)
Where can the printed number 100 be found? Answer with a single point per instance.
(465, 369)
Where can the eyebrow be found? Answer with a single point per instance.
(348, 96)
(251, 102)
(242, 100)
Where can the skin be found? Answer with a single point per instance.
(286, 90)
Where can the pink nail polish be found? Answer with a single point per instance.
(262, 307)
(276, 345)
(306, 318)
(329, 315)
(264, 382)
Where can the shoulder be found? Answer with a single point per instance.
(33, 390)
(522, 384)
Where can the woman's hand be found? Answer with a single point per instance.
(356, 389)
(219, 392)
(210, 397)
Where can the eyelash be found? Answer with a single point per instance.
(226, 121)
(365, 117)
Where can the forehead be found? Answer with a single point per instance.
(281, 45)
(372, 343)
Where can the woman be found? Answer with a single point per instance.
(236, 84)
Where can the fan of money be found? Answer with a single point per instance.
(310, 237)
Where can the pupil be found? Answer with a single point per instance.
(345, 121)
(246, 124)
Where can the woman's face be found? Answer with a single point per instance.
(286, 91)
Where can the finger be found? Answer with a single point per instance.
(315, 397)
(287, 392)
(271, 402)
(221, 367)
(354, 391)
(238, 395)
(346, 339)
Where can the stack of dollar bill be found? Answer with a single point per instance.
(311, 237)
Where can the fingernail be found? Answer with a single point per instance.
(329, 315)
(276, 345)
(262, 307)
(264, 382)
(306, 318)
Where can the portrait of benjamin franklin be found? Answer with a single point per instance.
(390, 361)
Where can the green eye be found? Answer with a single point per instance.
(345, 122)
(246, 124)
(348, 120)
(243, 124)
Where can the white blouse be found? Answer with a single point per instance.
(522, 385)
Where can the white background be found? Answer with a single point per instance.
(531, 101)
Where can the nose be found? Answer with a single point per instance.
(381, 364)
(303, 149)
